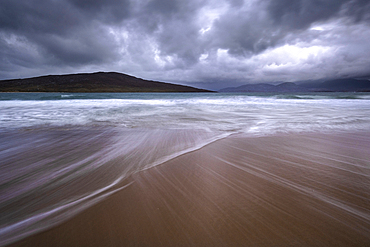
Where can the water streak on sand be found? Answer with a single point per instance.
(365, 217)
(40, 221)
(75, 168)
(63, 153)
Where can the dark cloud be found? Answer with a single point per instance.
(301, 13)
(216, 41)
(110, 11)
(253, 30)
(38, 16)
(62, 32)
(164, 7)
(244, 32)
(173, 24)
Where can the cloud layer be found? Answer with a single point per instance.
(206, 43)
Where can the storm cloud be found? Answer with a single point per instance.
(211, 44)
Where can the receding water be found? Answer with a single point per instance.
(54, 147)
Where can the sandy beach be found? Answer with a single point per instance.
(283, 190)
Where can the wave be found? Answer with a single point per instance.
(161, 96)
(220, 113)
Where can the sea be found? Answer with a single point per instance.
(61, 153)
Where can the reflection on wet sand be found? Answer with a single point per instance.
(288, 190)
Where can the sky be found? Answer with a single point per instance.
(204, 43)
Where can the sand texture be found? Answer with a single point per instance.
(286, 190)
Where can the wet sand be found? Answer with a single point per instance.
(286, 190)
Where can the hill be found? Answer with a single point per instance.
(264, 87)
(91, 82)
(338, 85)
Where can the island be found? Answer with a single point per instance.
(105, 82)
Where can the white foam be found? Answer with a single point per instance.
(218, 112)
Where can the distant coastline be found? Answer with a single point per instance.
(99, 82)
(338, 85)
(113, 82)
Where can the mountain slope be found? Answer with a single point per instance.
(264, 87)
(91, 82)
(339, 85)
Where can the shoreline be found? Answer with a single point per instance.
(302, 189)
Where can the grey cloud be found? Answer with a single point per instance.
(156, 14)
(301, 13)
(173, 26)
(181, 41)
(64, 32)
(37, 16)
(172, 40)
(80, 49)
(109, 11)
(58, 17)
(70, 31)
(243, 33)
(164, 7)
(251, 31)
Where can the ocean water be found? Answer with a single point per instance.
(227, 113)
(63, 152)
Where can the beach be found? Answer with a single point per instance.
(290, 189)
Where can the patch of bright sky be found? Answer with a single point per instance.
(294, 54)
(329, 26)
(162, 61)
(21, 44)
(158, 59)
(280, 58)
(222, 53)
(317, 28)
(120, 36)
(209, 14)
(18, 42)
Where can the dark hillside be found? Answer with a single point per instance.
(94, 82)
